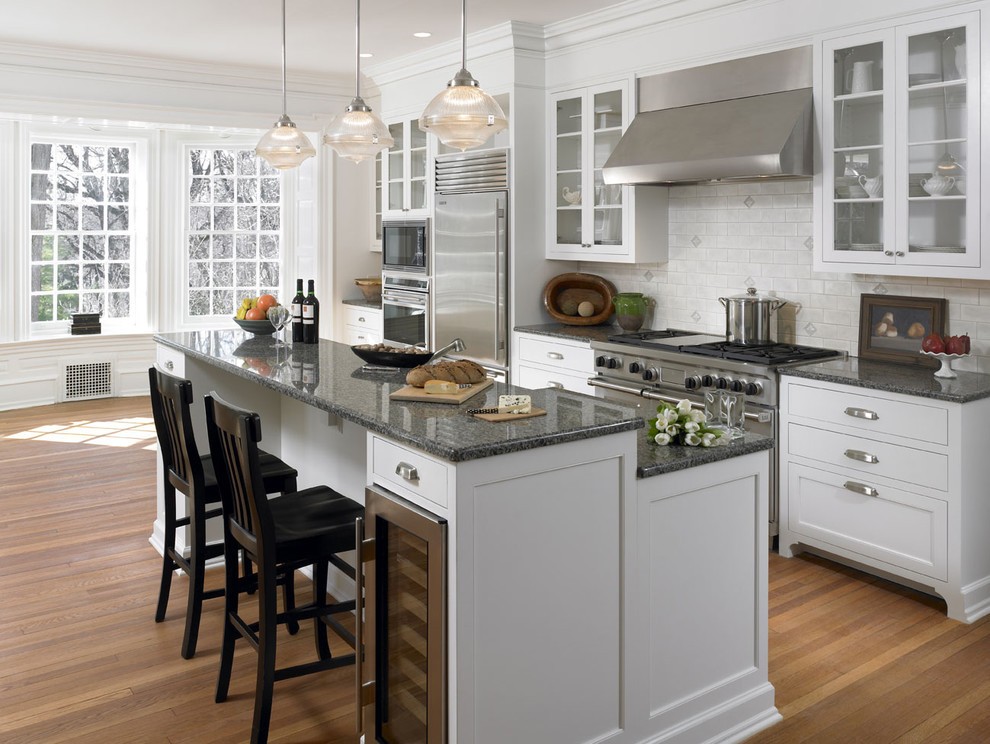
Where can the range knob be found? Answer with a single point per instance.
(707, 380)
(737, 386)
(651, 374)
(608, 362)
(600, 361)
(722, 383)
(754, 388)
(693, 382)
(635, 367)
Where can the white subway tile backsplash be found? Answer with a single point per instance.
(723, 234)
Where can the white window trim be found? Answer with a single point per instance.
(142, 179)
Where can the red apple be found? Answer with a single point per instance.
(954, 345)
(933, 343)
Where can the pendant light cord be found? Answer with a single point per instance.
(357, 50)
(284, 108)
(463, 36)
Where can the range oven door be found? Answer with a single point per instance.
(402, 677)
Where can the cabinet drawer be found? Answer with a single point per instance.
(354, 335)
(536, 378)
(575, 358)
(171, 360)
(914, 420)
(875, 457)
(363, 317)
(893, 526)
(409, 472)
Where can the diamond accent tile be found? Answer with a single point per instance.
(749, 201)
(750, 281)
(648, 276)
(810, 329)
(695, 241)
(695, 316)
(809, 243)
(880, 289)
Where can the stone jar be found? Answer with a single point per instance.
(630, 310)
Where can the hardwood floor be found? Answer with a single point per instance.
(853, 658)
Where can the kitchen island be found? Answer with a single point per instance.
(584, 603)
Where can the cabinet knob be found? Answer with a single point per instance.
(860, 488)
(361, 319)
(888, 253)
(898, 253)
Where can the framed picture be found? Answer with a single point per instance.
(892, 328)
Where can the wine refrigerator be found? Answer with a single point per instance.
(401, 594)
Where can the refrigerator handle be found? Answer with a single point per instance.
(501, 281)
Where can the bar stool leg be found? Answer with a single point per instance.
(168, 548)
(267, 627)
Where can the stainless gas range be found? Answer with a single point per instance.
(640, 368)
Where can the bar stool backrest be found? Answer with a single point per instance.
(171, 400)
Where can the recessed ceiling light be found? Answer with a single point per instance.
(367, 54)
(422, 34)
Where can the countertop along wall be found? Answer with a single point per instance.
(724, 239)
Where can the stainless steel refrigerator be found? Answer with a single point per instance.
(469, 292)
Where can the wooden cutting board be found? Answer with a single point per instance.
(419, 395)
(511, 416)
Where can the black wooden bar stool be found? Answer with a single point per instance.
(192, 475)
(310, 527)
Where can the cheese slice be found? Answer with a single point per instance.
(514, 404)
(440, 387)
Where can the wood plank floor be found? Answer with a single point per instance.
(853, 658)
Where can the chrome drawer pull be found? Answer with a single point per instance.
(862, 413)
(861, 456)
(554, 355)
(361, 319)
(555, 385)
(406, 471)
(860, 488)
(169, 365)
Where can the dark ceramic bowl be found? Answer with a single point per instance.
(256, 326)
(391, 358)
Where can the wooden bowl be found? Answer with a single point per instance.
(371, 288)
(569, 290)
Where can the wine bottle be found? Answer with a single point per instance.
(297, 324)
(311, 316)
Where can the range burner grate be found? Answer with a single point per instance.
(776, 353)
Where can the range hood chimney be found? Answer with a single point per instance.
(743, 120)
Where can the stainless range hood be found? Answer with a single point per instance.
(743, 120)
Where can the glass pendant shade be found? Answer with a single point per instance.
(358, 133)
(284, 146)
(463, 115)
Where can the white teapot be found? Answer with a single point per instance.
(938, 185)
(571, 197)
(872, 186)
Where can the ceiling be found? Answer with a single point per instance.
(319, 35)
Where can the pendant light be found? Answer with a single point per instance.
(358, 133)
(284, 146)
(463, 115)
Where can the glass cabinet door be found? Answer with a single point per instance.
(417, 166)
(856, 172)
(938, 119)
(606, 129)
(396, 168)
(569, 143)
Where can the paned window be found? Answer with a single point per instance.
(233, 230)
(81, 230)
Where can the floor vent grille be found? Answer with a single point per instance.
(88, 380)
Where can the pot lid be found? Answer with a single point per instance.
(752, 296)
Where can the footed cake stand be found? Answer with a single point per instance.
(945, 370)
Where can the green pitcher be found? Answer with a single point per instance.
(630, 310)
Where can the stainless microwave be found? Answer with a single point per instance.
(405, 245)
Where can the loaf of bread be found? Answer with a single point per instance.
(462, 371)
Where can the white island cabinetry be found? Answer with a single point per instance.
(892, 483)
(545, 361)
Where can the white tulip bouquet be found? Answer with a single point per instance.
(682, 424)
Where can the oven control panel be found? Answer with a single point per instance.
(757, 388)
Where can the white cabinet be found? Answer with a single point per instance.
(403, 171)
(902, 165)
(891, 483)
(590, 220)
(544, 361)
(362, 325)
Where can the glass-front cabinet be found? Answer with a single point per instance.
(403, 170)
(901, 167)
(589, 220)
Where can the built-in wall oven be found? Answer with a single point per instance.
(402, 676)
(405, 246)
(405, 308)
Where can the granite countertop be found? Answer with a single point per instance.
(573, 333)
(375, 305)
(341, 387)
(896, 378)
(652, 459)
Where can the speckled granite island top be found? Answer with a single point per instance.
(341, 387)
(896, 378)
(574, 333)
(652, 459)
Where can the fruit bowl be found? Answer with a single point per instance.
(373, 354)
(256, 326)
(945, 370)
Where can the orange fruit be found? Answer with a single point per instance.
(255, 313)
(266, 301)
